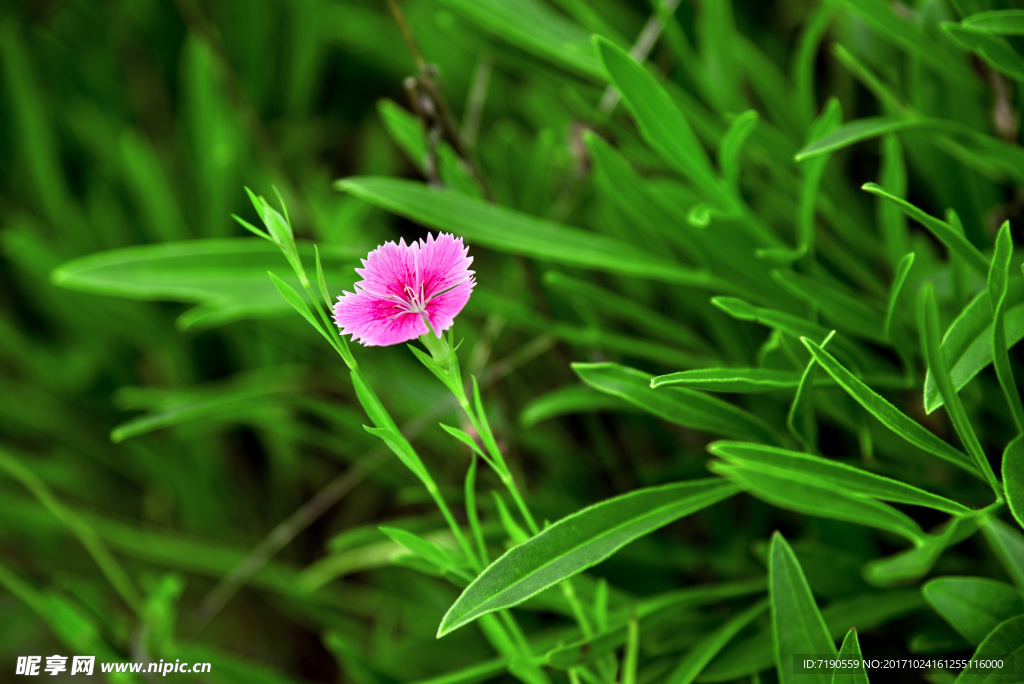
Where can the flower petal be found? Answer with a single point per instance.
(443, 263)
(388, 269)
(443, 308)
(376, 322)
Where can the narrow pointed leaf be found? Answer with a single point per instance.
(856, 131)
(967, 344)
(889, 415)
(846, 311)
(850, 651)
(748, 655)
(226, 279)
(427, 550)
(661, 123)
(824, 502)
(928, 325)
(578, 542)
(1000, 22)
(535, 27)
(955, 241)
(567, 401)
(993, 49)
(902, 270)
(827, 473)
(998, 278)
(729, 148)
(511, 231)
(797, 625)
(690, 408)
(738, 380)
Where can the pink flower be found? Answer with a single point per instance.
(403, 284)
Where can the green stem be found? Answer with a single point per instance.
(471, 512)
(483, 428)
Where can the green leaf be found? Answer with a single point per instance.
(954, 240)
(427, 550)
(999, 22)
(892, 223)
(928, 324)
(902, 270)
(401, 448)
(1013, 477)
(296, 301)
(913, 563)
(689, 408)
(661, 123)
(1005, 642)
(705, 650)
(800, 420)
(320, 280)
(739, 380)
(740, 128)
(630, 309)
(797, 626)
(576, 543)
(586, 651)
(534, 27)
(781, 321)
(465, 439)
(889, 415)
(245, 395)
(967, 344)
(999, 54)
(857, 131)
(973, 606)
(631, 658)
(672, 603)
(910, 36)
(846, 311)
(829, 474)
(1008, 545)
(749, 655)
(514, 232)
(567, 401)
(850, 650)
(512, 528)
(823, 502)
(811, 175)
(226, 278)
(406, 129)
(998, 278)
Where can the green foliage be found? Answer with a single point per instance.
(577, 542)
(698, 230)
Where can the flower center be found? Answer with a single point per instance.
(415, 299)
